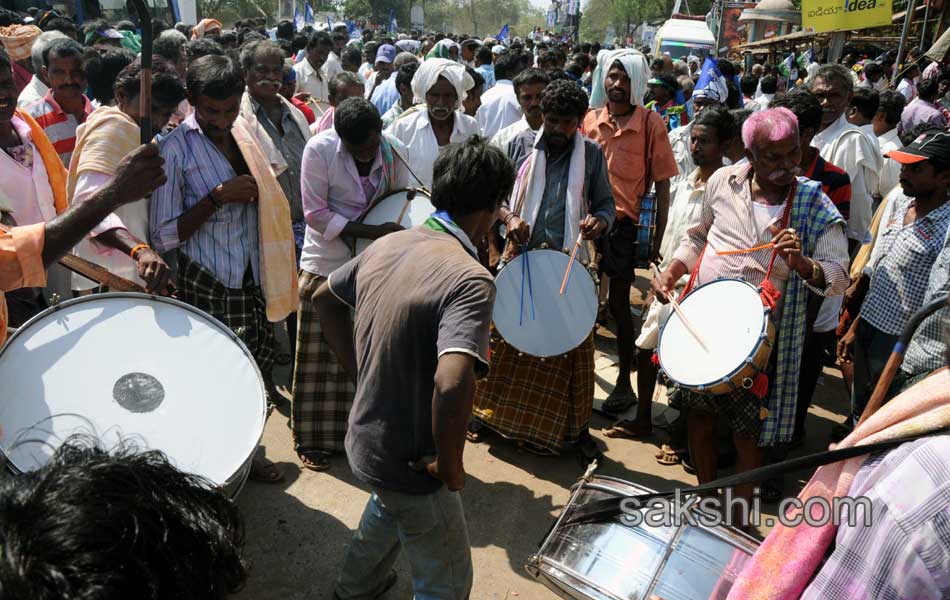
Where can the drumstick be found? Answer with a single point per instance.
(682, 315)
(745, 250)
(405, 207)
(570, 264)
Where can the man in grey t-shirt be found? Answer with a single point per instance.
(423, 307)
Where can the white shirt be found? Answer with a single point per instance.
(504, 137)
(499, 108)
(680, 142)
(33, 91)
(310, 82)
(132, 217)
(891, 171)
(847, 147)
(908, 88)
(415, 132)
(764, 100)
(686, 204)
(332, 67)
(333, 194)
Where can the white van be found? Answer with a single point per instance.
(681, 37)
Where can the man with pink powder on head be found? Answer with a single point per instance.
(761, 204)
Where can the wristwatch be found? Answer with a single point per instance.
(815, 270)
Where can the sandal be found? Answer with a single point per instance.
(668, 457)
(618, 401)
(315, 460)
(264, 471)
(475, 432)
(626, 429)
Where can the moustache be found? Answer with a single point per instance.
(783, 174)
(274, 82)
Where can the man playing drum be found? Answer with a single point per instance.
(543, 403)
(760, 209)
(344, 169)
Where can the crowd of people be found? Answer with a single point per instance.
(829, 192)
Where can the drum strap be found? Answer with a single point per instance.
(604, 510)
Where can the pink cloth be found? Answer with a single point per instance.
(324, 122)
(789, 557)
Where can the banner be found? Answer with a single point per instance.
(831, 15)
(732, 32)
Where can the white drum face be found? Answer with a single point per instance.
(389, 208)
(729, 316)
(128, 366)
(541, 321)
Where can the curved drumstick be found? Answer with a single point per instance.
(570, 264)
(682, 315)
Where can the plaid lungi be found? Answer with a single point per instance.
(546, 403)
(242, 310)
(322, 391)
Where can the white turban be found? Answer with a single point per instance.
(430, 71)
(637, 68)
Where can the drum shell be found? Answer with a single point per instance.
(411, 215)
(232, 484)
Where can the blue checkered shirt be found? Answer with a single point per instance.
(901, 272)
(927, 350)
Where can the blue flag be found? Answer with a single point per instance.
(711, 83)
(392, 22)
(353, 30)
(503, 34)
(307, 13)
(298, 18)
(329, 23)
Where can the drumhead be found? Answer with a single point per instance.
(389, 207)
(558, 323)
(154, 371)
(730, 317)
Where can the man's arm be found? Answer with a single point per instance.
(451, 410)
(662, 214)
(334, 315)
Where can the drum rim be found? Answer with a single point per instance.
(765, 328)
(140, 296)
(585, 269)
(377, 201)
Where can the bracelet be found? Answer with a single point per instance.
(508, 218)
(136, 249)
(214, 203)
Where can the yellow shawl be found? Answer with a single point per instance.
(107, 136)
(55, 171)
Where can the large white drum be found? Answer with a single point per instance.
(125, 366)
(530, 312)
(405, 207)
(736, 329)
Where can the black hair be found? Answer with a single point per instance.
(530, 77)
(470, 44)
(748, 84)
(300, 42)
(184, 29)
(102, 68)
(64, 48)
(835, 73)
(806, 107)
(657, 63)
(355, 119)
(564, 97)
(406, 73)
(669, 82)
(250, 51)
(727, 68)
(167, 86)
(169, 47)
(351, 56)
(928, 89)
(249, 36)
(286, 46)
(471, 176)
(60, 24)
(158, 26)
(125, 25)
(8, 17)
(719, 119)
(285, 30)
(5, 62)
(739, 116)
(865, 100)
(195, 49)
(319, 38)
(228, 39)
(891, 103)
(341, 80)
(553, 58)
(508, 66)
(484, 55)
(119, 524)
(769, 85)
(217, 77)
(476, 77)
(339, 36)
(872, 68)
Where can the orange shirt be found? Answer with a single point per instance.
(638, 154)
(21, 264)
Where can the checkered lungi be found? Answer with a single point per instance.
(546, 403)
(322, 391)
(241, 310)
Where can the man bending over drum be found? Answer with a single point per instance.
(423, 306)
(759, 209)
(545, 403)
(345, 169)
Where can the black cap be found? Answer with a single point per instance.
(927, 145)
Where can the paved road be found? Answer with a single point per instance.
(297, 531)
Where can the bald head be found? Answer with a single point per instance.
(404, 58)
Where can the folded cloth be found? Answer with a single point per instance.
(55, 171)
(249, 113)
(433, 68)
(102, 141)
(18, 40)
(275, 233)
(204, 26)
(790, 556)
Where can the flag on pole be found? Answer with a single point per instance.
(393, 27)
(329, 23)
(307, 13)
(806, 59)
(503, 34)
(711, 83)
(298, 18)
(353, 30)
(787, 65)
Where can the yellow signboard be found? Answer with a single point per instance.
(830, 15)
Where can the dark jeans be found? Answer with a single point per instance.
(872, 348)
(815, 350)
(24, 304)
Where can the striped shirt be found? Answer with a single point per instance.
(835, 183)
(227, 243)
(59, 126)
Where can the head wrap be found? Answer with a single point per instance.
(636, 66)
(441, 50)
(430, 71)
(18, 40)
(203, 27)
(411, 46)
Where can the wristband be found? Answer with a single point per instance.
(508, 218)
(136, 249)
(211, 199)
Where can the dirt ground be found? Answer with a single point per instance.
(297, 531)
